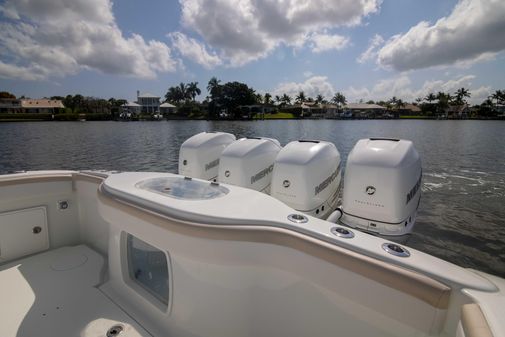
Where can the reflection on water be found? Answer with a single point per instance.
(461, 216)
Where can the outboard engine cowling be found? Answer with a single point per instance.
(382, 186)
(199, 155)
(307, 177)
(248, 162)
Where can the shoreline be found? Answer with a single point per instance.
(31, 119)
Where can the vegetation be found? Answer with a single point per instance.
(225, 101)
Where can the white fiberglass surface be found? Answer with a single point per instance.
(183, 188)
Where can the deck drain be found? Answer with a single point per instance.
(114, 331)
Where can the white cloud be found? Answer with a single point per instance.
(401, 87)
(46, 38)
(246, 30)
(312, 87)
(474, 27)
(371, 52)
(194, 50)
(22, 73)
(325, 42)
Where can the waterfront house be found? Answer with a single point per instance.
(305, 109)
(364, 110)
(330, 110)
(409, 110)
(457, 111)
(248, 111)
(167, 109)
(149, 103)
(41, 105)
(130, 109)
(10, 105)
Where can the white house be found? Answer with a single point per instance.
(130, 108)
(167, 108)
(149, 103)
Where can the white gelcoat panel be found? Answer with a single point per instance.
(20, 235)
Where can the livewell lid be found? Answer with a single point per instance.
(183, 188)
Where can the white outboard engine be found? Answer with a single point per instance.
(248, 162)
(307, 177)
(199, 155)
(382, 186)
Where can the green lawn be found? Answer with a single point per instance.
(279, 115)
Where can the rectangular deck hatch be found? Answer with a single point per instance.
(23, 232)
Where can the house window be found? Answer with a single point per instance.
(148, 267)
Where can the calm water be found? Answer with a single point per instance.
(462, 211)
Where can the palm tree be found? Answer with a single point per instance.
(443, 101)
(285, 99)
(460, 95)
(193, 90)
(319, 99)
(213, 87)
(393, 101)
(339, 99)
(431, 97)
(399, 104)
(277, 99)
(499, 96)
(183, 91)
(267, 99)
(259, 98)
(300, 98)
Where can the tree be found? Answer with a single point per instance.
(213, 87)
(278, 99)
(430, 98)
(235, 94)
(285, 99)
(5, 94)
(319, 99)
(443, 102)
(77, 103)
(193, 90)
(460, 95)
(259, 98)
(267, 99)
(174, 95)
(339, 99)
(300, 98)
(498, 96)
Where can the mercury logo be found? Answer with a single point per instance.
(370, 190)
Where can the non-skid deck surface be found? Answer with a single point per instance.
(53, 294)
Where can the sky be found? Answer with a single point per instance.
(366, 49)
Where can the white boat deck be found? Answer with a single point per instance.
(54, 294)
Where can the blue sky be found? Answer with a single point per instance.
(367, 49)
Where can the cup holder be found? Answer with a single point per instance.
(396, 250)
